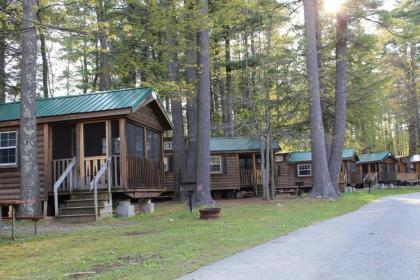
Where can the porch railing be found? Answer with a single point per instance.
(58, 168)
(91, 167)
(66, 176)
(246, 178)
(145, 173)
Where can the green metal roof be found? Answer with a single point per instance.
(83, 103)
(307, 156)
(374, 157)
(234, 144)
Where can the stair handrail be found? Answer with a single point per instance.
(94, 185)
(365, 179)
(375, 179)
(60, 180)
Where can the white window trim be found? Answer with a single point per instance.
(221, 165)
(279, 158)
(11, 147)
(170, 146)
(305, 164)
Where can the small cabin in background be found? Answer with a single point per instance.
(295, 169)
(379, 167)
(235, 164)
(408, 169)
(92, 149)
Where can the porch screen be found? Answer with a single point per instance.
(94, 139)
(63, 141)
(135, 140)
(153, 145)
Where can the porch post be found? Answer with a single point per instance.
(79, 155)
(123, 153)
(254, 171)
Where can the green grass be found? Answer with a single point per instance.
(169, 242)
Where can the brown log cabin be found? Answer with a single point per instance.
(378, 167)
(408, 169)
(105, 144)
(235, 165)
(295, 169)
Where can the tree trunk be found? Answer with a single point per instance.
(176, 110)
(322, 186)
(273, 168)
(3, 6)
(104, 67)
(340, 99)
(45, 71)
(191, 79)
(29, 176)
(228, 126)
(203, 193)
(264, 179)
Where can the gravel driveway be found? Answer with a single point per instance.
(379, 241)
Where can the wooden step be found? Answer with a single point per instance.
(79, 218)
(88, 195)
(84, 202)
(79, 210)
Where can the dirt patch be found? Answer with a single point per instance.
(122, 262)
(139, 232)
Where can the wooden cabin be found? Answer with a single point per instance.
(235, 165)
(379, 167)
(295, 169)
(408, 169)
(105, 144)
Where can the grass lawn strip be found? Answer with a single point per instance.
(169, 242)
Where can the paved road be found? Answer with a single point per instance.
(379, 241)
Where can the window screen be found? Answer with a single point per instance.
(135, 140)
(153, 145)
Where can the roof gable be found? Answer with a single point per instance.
(84, 103)
(306, 156)
(374, 157)
(237, 144)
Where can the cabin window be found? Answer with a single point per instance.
(412, 167)
(216, 165)
(153, 145)
(135, 140)
(8, 148)
(167, 145)
(279, 158)
(304, 170)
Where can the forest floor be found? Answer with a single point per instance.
(165, 244)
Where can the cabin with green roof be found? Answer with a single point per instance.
(408, 169)
(378, 167)
(93, 149)
(235, 165)
(295, 169)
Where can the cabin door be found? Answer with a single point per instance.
(94, 151)
(63, 150)
(246, 170)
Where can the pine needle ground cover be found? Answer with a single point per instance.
(167, 243)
